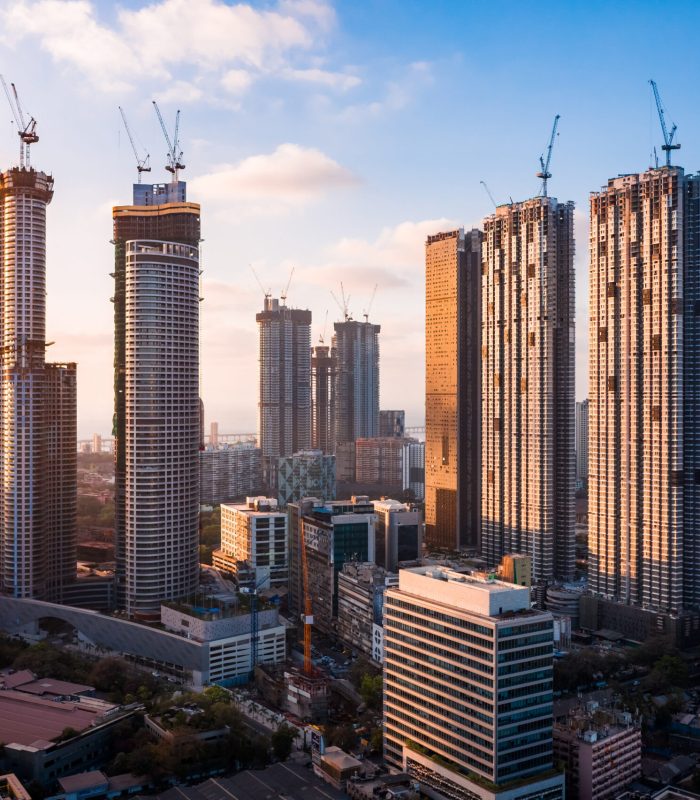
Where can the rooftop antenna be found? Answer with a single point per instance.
(544, 172)
(25, 130)
(266, 292)
(365, 313)
(175, 155)
(668, 144)
(488, 192)
(142, 164)
(285, 291)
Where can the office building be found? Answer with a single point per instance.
(357, 380)
(323, 368)
(379, 461)
(254, 543)
(453, 389)
(361, 589)
(601, 750)
(229, 472)
(399, 533)
(306, 474)
(644, 391)
(333, 534)
(37, 405)
(413, 462)
(284, 399)
(345, 455)
(516, 568)
(61, 413)
(392, 423)
(157, 406)
(527, 421)
(582, 441)
(468, 686)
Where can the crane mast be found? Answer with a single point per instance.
(175, 155)
(544, 172)
(668, 144)
(25, 130)
(142, 164)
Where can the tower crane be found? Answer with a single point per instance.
(266, 292)
(544, 172)
(25, 130)
(175, 163)
(344, 305)
(283, 296)
(254, 634)
(322, 336)
(668, 144)
(308, 615)
(142, 164)
(488, 192)
(365, 314)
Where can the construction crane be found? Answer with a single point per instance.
(25, 130)
(668, 144)
(283, 296)
(175, 163)
(307, 617)
(365, 313)
(544, 172)
(253, 594)
(266, 292)
(488, 192)
(322, 336)
(142, 164)
(344, 305)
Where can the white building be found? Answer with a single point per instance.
(468, 686)
(398, 533)
(254, 543)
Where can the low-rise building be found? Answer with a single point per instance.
(309, 473)
(337, 767)
(601, 750)
(254, 543)
(361, 589)
(399, 535)
(516, 568)
(11, 788)
(229, 471)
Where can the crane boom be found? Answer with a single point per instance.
(266, 292)
(668, 144)
(488, 192)
(174, 164)
(141, 163)
(25, 130)
(544, 172)
(371, 302)
(283, 296)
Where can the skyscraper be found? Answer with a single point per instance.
(468, 686)
(357, 380)
(582, 440)
(452, 389)
(284, 399)
(157, 408)
(644, 390)
(527, 423)
(323, 365)
(37, 406)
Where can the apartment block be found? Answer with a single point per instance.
(254, 543)
(399, 533)
(361, 588)
(392, 423)
(357, 380)
(527, 380)
(468, 686)
(582, 441)
(453, 389)
(644, 391)
(380, 461)
(309, 473)
(323, 377)
(229, 471)
(414, 469)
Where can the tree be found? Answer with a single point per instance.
(376, 741)
(343, 736)
(282, 740)
(371, 690)
(109, 675)
(217, 694)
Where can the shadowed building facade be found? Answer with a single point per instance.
(452, 389)
(644, 391)
(527, 368)
(157, 407)
(323, 367)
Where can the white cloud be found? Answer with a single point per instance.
(332, 80)
(180, 92)
(151, 40)
(291, 175)
(236, 81)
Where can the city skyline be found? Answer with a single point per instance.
(331, 181)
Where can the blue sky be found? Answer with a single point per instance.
(332, 138)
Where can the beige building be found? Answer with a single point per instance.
(254, 543)
(516, 568)
(466, 661)
(644, 454)
(452, 389)
(527, 378)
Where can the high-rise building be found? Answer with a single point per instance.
(323, 364)
(37, 449)
(96, 443)
(468, 686)
(582, 441)
(284, 399)
(214, 434)
(229, 472)
(254, 543)
(61, 414)
(413, 462)
(310, 473)
(380, 461)
(644, 391)
(361, 587)
(392, 423)
(399, 533)
(453, 389)
(527, 420)
(357, 380)
(157, 406)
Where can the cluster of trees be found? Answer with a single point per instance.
(209, 534)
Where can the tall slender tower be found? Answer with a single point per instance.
(644, 390)
(453, 389)
(284, 400)
(157, 408)
(357, 380)
(582, 440)
(527, 427)
(323, 367)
